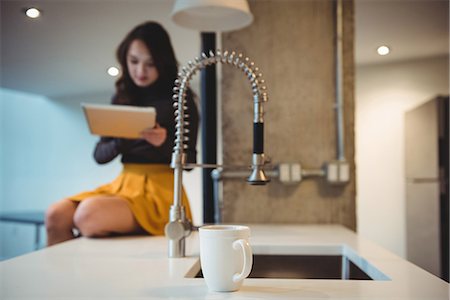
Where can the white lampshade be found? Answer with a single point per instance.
(212, 15)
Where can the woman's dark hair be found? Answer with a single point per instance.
(157, 40)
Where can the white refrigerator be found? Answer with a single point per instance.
(426, 169)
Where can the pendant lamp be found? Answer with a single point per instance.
(212, 15)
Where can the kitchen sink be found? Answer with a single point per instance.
(303, 267)
(306, 262)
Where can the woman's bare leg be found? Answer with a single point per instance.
(104, 215)
(59, 221)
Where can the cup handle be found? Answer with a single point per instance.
(248, 259)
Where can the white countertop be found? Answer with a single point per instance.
(138, 268)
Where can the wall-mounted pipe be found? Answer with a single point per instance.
(338, 171)
(339, 82)
(278, 172)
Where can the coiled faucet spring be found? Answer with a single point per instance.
(178, 227)
(186, 74)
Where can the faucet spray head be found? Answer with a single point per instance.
(258, 176)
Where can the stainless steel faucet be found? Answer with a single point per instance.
(179, 227)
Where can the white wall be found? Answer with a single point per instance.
(383, 94)
(47, 155)
(47, 152)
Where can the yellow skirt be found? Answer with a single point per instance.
(148, 189)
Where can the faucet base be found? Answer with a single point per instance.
(177, 248)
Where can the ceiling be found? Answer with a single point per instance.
(412, 28)
(67, 51)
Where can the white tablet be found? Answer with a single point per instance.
(121, 121)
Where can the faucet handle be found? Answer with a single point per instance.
(177, 229)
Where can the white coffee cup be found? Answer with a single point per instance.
(225, 255)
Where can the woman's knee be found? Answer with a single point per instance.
(86, 218)
(59, 215)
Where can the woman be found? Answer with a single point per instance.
(138, 200)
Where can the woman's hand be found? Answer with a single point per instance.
(155, 136)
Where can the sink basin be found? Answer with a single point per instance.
(303, 267)
(308, 262)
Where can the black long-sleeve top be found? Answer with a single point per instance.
(139, 150)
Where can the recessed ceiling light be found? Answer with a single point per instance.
(383, 50)
(113, 71)
(32, 12)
